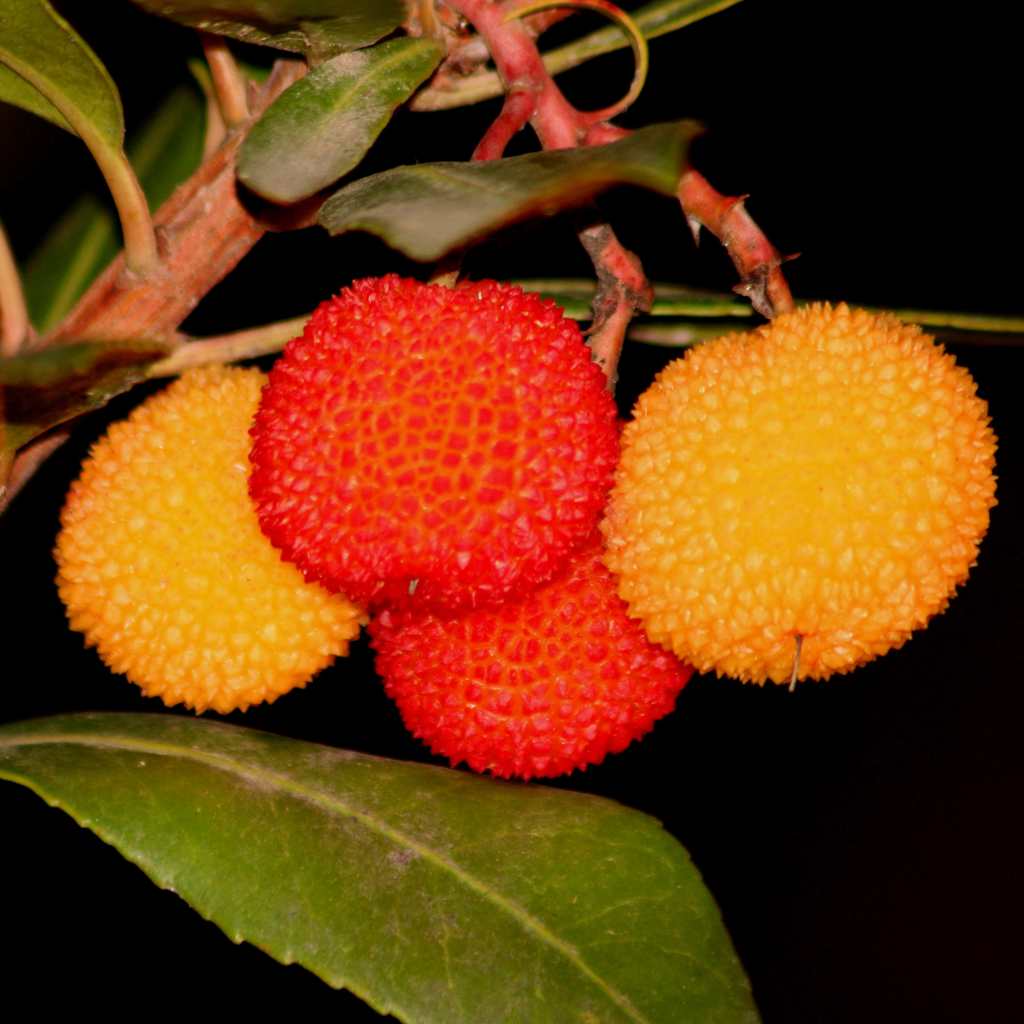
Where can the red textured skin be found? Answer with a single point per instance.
(456, 443)
(534, 688)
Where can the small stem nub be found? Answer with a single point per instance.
(798, 640)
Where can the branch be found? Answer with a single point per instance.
(204, 231)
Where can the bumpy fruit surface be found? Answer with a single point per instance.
(435, 446)
(533, 688)
(163, 567)
(827, 477)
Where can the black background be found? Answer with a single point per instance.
(860, 835)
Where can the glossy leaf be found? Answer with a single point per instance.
(42, 49)
(322, 126)
(166, 150)
(318, 28)
(435, 895)
(427, 210)
(53, 385)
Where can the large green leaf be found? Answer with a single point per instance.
(427, 210)
(322, 126)
(317, 28)
(54, 385)
(435, 895)
(164, 153)
(74, 88)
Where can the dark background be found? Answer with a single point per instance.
(860, 835)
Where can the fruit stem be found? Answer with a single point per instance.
(758, 262)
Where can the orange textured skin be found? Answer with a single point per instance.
(829, 476)
(445, 448)
(534, 688)
(163, 567)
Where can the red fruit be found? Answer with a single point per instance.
(535, 688)
(452, 444)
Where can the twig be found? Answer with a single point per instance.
(228, 81)
(14, 322)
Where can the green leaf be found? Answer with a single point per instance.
(317, 28)
(427, 210)
(54, 385)
(39, 46)
(164, 153)
(433, 894)
(322, 126)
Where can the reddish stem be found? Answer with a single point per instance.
(515, 114)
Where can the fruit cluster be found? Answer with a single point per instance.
(787, 504)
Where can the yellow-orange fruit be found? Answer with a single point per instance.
(827, 477)
(162, 565)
